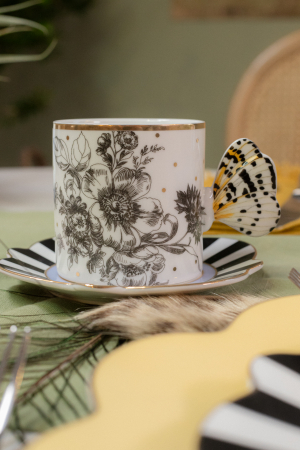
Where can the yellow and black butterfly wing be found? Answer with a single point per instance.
(245, 190)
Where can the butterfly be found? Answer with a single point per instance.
(245, 189)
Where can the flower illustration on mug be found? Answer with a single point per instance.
(189, 202)
(127, 140)
(120, 204)
(104, 142)
(78, 229)
(136, 268)
(124, 232)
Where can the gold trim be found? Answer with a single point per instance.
(188, 126)
(206, 283)
(99, 286)
(93, 286)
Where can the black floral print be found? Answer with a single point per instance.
(78, 229)
(137, 268)
(104, 142)
(127, 140)
(189, 202)
(121, 204)
(60, 243)
(123, 232)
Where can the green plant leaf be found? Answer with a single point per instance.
(7, 59)
(15, 29)
(11, 21)
(18, 6)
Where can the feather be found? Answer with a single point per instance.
(245, 190)
(61, 359)
(136, 318)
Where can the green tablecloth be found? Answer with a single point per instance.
(22, 302)
(53, 338)
(279, 253)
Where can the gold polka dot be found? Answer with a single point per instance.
(175, 164)
(195, 178)
(197, 140)
(174, 268)
(157, 135)
(56, 224)
(68, 138)
(196, 261)
(164, 189)
(77, 274)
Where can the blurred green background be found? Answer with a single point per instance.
(132, 59)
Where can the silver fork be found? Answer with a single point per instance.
(10, 393)
(294, 276)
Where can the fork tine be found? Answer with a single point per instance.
(11, 390)
(296, 282)
(295, 272)
(7, 351)
(294, 276)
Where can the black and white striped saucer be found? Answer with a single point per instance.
(226, 261)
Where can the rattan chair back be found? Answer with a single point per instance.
(266, 104)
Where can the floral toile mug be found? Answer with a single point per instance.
(130, 202)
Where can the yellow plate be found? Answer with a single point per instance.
(152, 394)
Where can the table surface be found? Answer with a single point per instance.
(26, 216)
(26, 189)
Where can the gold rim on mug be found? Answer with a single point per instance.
(189, 125)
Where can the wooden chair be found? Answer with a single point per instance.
(266, 104)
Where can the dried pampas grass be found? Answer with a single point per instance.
(136, 318)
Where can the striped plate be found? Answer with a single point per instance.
(226, 261)
(267, 419)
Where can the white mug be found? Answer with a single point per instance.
(130, 202)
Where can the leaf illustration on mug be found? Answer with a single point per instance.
(96, 228)
(72, 183)
(80, 153)
(55, 195)
(166, 233)
(176, 249)
(139, 163)
(60, 243)
(61, 153)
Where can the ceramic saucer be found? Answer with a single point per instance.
(226, 261)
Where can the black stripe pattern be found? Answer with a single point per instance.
(230, 257)
(267, 419)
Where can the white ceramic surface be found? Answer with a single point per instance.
(130, 200)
